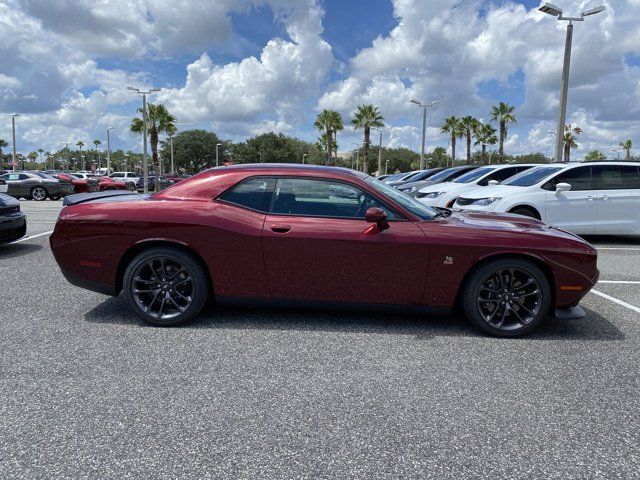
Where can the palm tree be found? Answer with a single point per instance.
(485, 135)
(159, 120)
(627, 146)
(3, 144)
(469, 125)
(80, 144)
(329, 122)
(504, 114)
(40, 151)
(452, 127)
(366, 117)
(570, 136)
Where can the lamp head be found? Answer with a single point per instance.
(593, 11)
(413, 100)
(550, 9)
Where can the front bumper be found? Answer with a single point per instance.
(12, 227)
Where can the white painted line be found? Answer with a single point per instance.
(623, 282)
(618, 248)
(31, 237)
(615, 300)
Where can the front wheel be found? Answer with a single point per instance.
(39, 194)
(507, 297)
(165, 286)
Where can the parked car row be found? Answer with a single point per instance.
(594, 198)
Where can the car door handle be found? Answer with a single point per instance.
(279, 228)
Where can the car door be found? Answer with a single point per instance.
(318, 246)
(618, 198)
(575, 210)
(16, 184)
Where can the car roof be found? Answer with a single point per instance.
(294, 167)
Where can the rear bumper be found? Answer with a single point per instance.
(12, 227)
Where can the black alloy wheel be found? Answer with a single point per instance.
(507, 297)
(165, 286)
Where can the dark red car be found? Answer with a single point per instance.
(304, 235)
(80, 185)
(106, 183)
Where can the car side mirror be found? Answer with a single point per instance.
(378, 216)
(493, 183)
(563, 187)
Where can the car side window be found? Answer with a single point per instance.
(617, 177)
(252, 193)
(579, 178)
(499, 175)
(323, 198)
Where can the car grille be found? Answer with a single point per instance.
(465, 201)
(9, 210)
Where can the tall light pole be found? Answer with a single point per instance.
(304, 155)
(260, 154)
(126, 162)
(109, 150)
(218, 145)
(145, 163)
(380, 149)
(82, 162)
(171, 143)
(424, 125)
(66, 144)
(13, 131)
(555, 11)
(617, 152)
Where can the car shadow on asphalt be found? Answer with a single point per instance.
(592, 327)
(18, 250)
(631, 240)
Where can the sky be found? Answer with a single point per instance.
(245, 67)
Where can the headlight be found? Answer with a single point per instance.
(429, 194)
(483, 202)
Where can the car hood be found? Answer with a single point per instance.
(441, 187)
(507, 223)
(7, 201)
(491, 191)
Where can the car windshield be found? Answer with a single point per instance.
(42, 175)
(474, 175)
(531, 177)
(422, 211)
(117, 175)
(442, 175)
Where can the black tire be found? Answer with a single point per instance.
(39, 194)
(141, 272)
(510, 293)
(526, 212)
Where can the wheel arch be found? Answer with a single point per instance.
(534, 209)
(146, 245)
(536, 260)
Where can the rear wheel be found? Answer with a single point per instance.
(165, 286)
(507, 297)
(39, 194)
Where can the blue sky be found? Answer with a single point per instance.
(242, 67)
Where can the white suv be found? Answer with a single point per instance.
(127, 177)
(596, 198)
(445, 194)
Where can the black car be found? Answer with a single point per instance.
(423, 175)
(151, 183)
(13, 223)
(446, 175)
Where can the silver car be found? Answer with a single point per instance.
(35, 185)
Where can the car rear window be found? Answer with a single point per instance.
(617, 177)
(252, 193)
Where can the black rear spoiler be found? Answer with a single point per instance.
(87, 197)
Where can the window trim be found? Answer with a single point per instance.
(400, 217)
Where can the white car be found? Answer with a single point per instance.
(125, 177)
(594, 198)
(445, 194)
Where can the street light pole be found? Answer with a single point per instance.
(218, 145)
(145, 162)
(304, 155)
(109, 150)
(617, 152)
(379, 150)
(171, 142)
(13, 131)
(554, 11)
(424, 125)
(66, 144)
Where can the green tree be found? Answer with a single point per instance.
(453, 127)
(594, 156)
(485, 135)
(469, 125)
(627, 147)
(367, 117)
(570, 136)
(159, 120)
(329, 123)
(504, 114)
(195, 150)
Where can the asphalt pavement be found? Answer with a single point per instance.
(88, 391)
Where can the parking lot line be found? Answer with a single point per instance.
(624, 282)
(32, 237)
(618, 248)
(615, 300)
